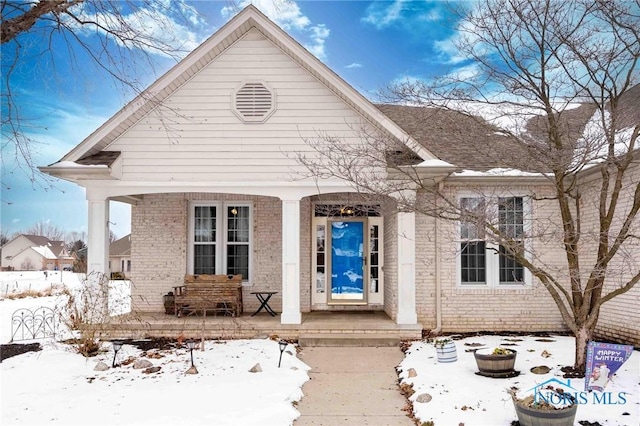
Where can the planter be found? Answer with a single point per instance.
(530, 416)
(496, 365)
(446, 352)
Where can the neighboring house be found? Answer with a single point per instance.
(120, 255)
(35, 253)
(219, 190)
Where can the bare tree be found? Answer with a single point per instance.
(27, 265)
(46, 229)
(4, 238)
(530, 63)
(120, 39)
(75, 240)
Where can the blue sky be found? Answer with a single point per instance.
(368, 43)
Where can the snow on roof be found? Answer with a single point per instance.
(434, 163)
(44, 251)
(497, 172)
(72, 164)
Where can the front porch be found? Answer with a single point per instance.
(364, 324)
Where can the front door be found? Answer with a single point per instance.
(347, 255)
(347, 261)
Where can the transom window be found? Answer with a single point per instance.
(485, 263)
(220, 239)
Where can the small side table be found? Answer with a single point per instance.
(263, 297)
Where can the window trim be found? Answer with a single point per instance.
(492, 258)
(221, 241)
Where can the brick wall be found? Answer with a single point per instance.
(426, 271)
(467, 309)
(620, 317)
(159, 247)
(390, 268)
(306, 212)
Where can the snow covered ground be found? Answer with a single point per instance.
(58, 386)
(459, 396)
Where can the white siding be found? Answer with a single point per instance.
(199, 138)
(12, 248)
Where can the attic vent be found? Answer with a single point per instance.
(254, 102)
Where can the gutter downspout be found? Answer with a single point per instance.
(437, 259)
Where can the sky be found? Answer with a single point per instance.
(370, 44)
(75, 394)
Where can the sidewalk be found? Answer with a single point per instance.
(352, 386)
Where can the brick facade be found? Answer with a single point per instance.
(159, 247)
(159, 256)
(620, 317)
(490, 308)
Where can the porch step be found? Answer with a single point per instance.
(350, 339)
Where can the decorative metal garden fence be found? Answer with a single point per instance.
(29, 324)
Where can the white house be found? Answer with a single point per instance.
(225, 192)
(120, 255)
(35, 253)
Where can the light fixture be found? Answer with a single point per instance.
(283, 345)
(346, 211)
(191, 344)
(234, 211)
(117, 345)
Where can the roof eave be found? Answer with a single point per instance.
(76, 173)
(499, 179)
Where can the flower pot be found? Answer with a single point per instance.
(447, 352)
(496, 366)
(531, 416)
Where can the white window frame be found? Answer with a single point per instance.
(221, 235)
(492, 258)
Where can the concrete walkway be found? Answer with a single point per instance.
(352, 386)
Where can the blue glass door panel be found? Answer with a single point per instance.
(347, 261)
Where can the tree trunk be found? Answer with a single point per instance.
(583, 336)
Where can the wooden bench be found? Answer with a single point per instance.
(218, 294)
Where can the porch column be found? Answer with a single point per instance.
(291, 262)
(98, 235)
(407, 268)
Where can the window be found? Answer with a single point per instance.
(220, 235)
(486, 263)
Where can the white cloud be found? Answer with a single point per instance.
(155, 24)
(406, 79)
(406, 13)
(448, 51)
(288, 16)
(383, 14)
(354, 65)
(431, 16)
(319, 34)
(466, 72)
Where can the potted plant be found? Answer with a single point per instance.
(497, 362)
(549, 406)
(445, 349)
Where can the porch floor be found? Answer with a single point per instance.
(157, 324)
